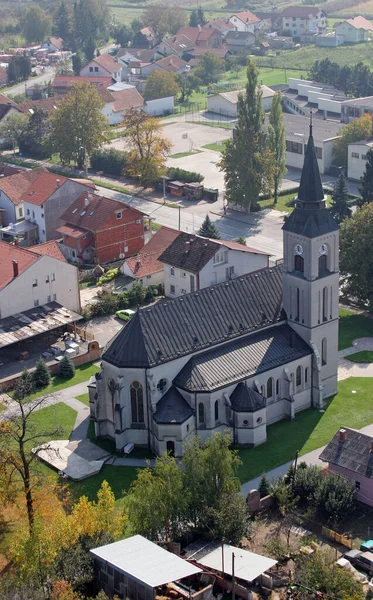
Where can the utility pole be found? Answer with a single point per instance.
(233, 581)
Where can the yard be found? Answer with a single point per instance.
(365, 356)
(353, 326)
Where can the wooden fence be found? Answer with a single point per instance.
(340, 538)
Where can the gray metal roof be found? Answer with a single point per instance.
(354, 453)
(172, 408)
(245, 399)
(310, 223)
(189, 252)
(145, 561)
(173, 328)
(310, 187)
(239, 359)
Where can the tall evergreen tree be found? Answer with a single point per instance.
(247, 161)
(62, 22)
(201, 16)
(66, 368)
(366, 188)
(339, 206)
(41, 376)
(277, 142)
(193, 19)
(209, 230)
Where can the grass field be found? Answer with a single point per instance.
(82, 373)
(83, 398)
(303, 58)
(365, 356)
(310, 429)
(364, 8)
(119, 479)
(353, 326)
(184, 154)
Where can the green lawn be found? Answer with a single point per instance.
(310, 428)
(119, 479)
(83, 398)
(365, 356)
(82, 373)
(218, 147)
(52, 417)
(304, 57)
(352, 326)
(184, 154)
(111, 186)
(283, 203)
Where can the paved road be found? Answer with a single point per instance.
(20, 89)
(261, 230)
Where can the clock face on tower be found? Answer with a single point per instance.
(299, 249)
(323, 249)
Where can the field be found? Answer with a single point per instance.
(364, 9)
(353, 326)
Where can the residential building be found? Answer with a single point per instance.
(172, 64)
(301, 20)
(160, 107)
(35, 277)
(145, 268)
(354, 31)
(178, 44)
(221, 24)
(12, 189)
(48, 105)
(117, 103)
(6, 170)
(145, 38)
(136, 568)
(47, 198)
(356, 108)
(202, 37)
(239, 41)
(357, 158)
(102, 66)
(245, 21)
(100, 230)
(329, 40)
(225, 103)
(7, 108)
(237, 355)
(350, 454)
(192, 263)
(3, 76)
(54, 44)
(62, 84)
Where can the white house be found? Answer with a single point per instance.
(192, 263)
(102, 66)
(53, 44)
(7, 108)
(244, 21)
(225, 103)
(35, 277)
(118, 102)
(357, 158)
(301, 20)
(11, 190)
(355, 30)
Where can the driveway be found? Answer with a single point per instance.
(104, 328)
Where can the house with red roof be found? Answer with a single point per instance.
(3, 76)
(11, 190)
(7, 108)
(303, 20)
(97, 230)
(355, 30)
(192, 262)
(103, 66)
(62, 84)
(245, 21)
(34, 277)
(46, 199)
(145, 268)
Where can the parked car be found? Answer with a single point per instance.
(361, 560)
(367, 546)
(125, 314)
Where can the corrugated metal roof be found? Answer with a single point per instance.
(174, 328)
(145, 561)
(241, 358)
(353, 453)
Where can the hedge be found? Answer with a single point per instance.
(109, 160)
(182, 175)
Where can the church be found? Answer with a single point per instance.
(239, 355)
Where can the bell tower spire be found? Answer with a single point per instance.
(311, 276)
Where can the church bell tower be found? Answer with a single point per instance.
(311, 276)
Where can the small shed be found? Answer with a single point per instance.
(193, 191)
(176, 188)
(135, 567)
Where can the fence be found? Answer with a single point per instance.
(340, 538)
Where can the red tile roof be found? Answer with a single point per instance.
(219, 23)
(206, 33)
(51, 248)
(360, 23)
(179, 42)
(7, 170)
(145, 264)
(47, 104)
(106, 61)
(160, 240)
(125, 99)
(66, 81)
(241, 247)
(171, 63)
(191, 33)
(93, 216)
(15, 185)
(4, 100)
(44, 186)
(57, 42)
(247, 17)
(24, 258)
(74, 232)
(302, 12)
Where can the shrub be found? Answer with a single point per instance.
(66, 368)
(41, 376)
(264, 486)
(109, 160)
(183, 175)
(122, 300)
(335, 497)
(136, 296)
(109, 276)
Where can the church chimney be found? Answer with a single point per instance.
(342, 435)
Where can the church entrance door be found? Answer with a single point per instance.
(171, 447)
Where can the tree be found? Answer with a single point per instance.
(335, 497)
(339, 207)
(36, 25)
(366, 188)
(62, 22)
(78, 60)
(78, 126)
(136, 25)
(264, 486)
(41, 376)
(164, 18)
(209, 230)
(357, 130)
(160, 84)
(34, 139)
(277, 143)
(247, 161)
(356, 256)
(20, 446)
(19, 68)
(201, 16)
(230, 519)
(91, 20)
(193, 19)
(13, 128)
(123, 35)
(209, 68)
(187, 84)
(241, 240)
(24, 385)
(66, 368)
(148, 148)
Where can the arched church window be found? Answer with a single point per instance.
(323, 263)
(325, 304)
(217, 410)
(324, 352)
(137, 402)
(270, 388)
(201, 412)
(298, 376)
(299, 263)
